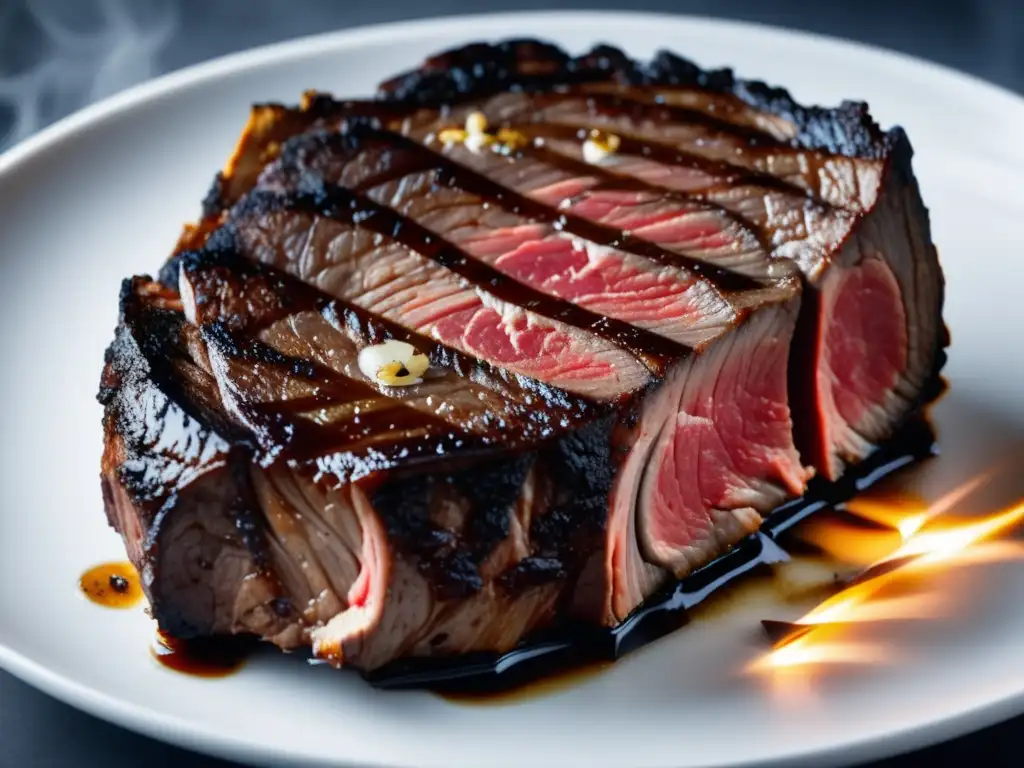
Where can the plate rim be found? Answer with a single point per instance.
(194, 735)
(298, 47)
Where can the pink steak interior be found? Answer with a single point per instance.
(861, 354)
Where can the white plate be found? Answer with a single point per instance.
(102, 196)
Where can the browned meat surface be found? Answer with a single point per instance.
(654, 301)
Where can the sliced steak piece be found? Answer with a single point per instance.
(174, 485)
(710, 456)
(681, 202)
(874, 323)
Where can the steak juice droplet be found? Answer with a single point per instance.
(112, 585)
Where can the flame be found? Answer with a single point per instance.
(920, 538)
(930, 547)
(902, 516)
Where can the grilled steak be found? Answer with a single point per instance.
(655, 301)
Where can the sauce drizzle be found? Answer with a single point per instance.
(206, 657)
(112, 585)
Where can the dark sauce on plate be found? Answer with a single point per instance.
(112, 585)
(204, 657)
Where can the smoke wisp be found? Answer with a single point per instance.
(119, 47)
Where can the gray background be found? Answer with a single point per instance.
(58, 55)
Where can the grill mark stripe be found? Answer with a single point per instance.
(655, 92)
(668, 154)
(305, 438)
(478, 184)
(375, 329)
(350, 207)
(619, 105)
(325, 397)
(611, 181)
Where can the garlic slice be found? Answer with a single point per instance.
(476, 132)
(475, 136)
(599, 146)
(393, 363)
(477, 141)
(511, 140)
(476, 123)
(452, 136)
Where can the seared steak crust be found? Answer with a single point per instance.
(633, 359)
(174, 485)
(480, 70)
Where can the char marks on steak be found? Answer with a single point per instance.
(632, 361)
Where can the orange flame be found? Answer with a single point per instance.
(920, 540)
